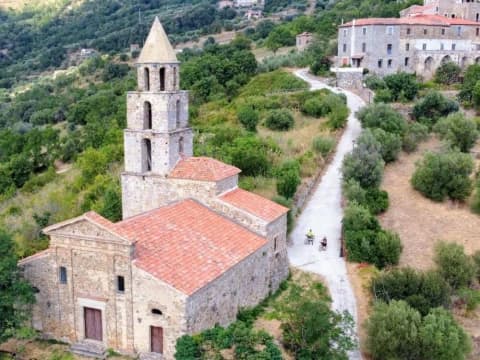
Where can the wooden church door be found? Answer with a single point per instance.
(93, 324)
(156, 341)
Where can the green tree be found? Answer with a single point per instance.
(248, 117)
(470, 79)
(15, 293)
(444, 174)
(393, 331)
(91, 163)
(382, 116)
(454, 265)
(458, 131)
(432, 107)
(281, 120)
(250, 155)
(279, 37)
(442, 338)
(421, 290)
(390, 144)
(402, 86)
(311, 327)
(415, 133)
(364, 164)
(288, 178)
(448, 73)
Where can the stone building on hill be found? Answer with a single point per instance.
(422, 39)
(191, 250)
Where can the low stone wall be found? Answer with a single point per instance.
(349, 78)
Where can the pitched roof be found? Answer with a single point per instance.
(38, 255)
(187, 245)
(428, 20)
(257, 205)
(157, 47)
(203, 168)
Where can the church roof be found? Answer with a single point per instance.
(187, 245)
(203, 169)
(157, 47)
(255, 204)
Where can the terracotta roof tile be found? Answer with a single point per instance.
(35, 256)
(187, 245)
(203, 168)
(434, 20)
(254, 204)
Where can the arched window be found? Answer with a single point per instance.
(177, 113)
(477, 17)
(162, 79)
(180, 145)
(157, 312)
(147, 155)
(147, 115)
(146, 79)
(175, 75)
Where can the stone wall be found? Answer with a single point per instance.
(349, 78)
(151, 293)
(241, 286)
(92, 265)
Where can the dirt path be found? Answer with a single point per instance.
(324, 213)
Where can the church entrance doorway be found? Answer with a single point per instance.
(156, 339)
(93, 324)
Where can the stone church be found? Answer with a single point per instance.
(192, 248)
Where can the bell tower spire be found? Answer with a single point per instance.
(158, 133)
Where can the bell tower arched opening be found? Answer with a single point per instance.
(147, 115)
(177, 113)
(146, 78)
(175, 78)
(162, 79)
(146, 155)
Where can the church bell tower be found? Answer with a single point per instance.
(157, 133)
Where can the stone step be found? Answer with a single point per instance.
(89, 349)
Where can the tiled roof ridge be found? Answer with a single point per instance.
(202, 168)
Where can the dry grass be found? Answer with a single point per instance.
(360, 277)
(420, 222)
(262, 53)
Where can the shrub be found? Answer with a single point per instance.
(338, 115)
(392, 331)
(376, 200)
(382, 116)
(421, 290)
(442, 338)
(281, 120)
(364, 164)
(248, 117)
(445, 174)
(390, 144)
(313, 107)
(311, 327)
(288, 179)
(383, 96)
(358, 218)
(402, 85)
(365, 241)
(448, 73)
(454, 265)
(415, 133)
(432, 107)
(458, 131)
(375, 82)
(476, 261)
(471, 78)
(397, 331)
(471, 298)
(250, 155)
(323, 145)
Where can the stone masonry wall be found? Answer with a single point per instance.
(151, 293)
(241, 286)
